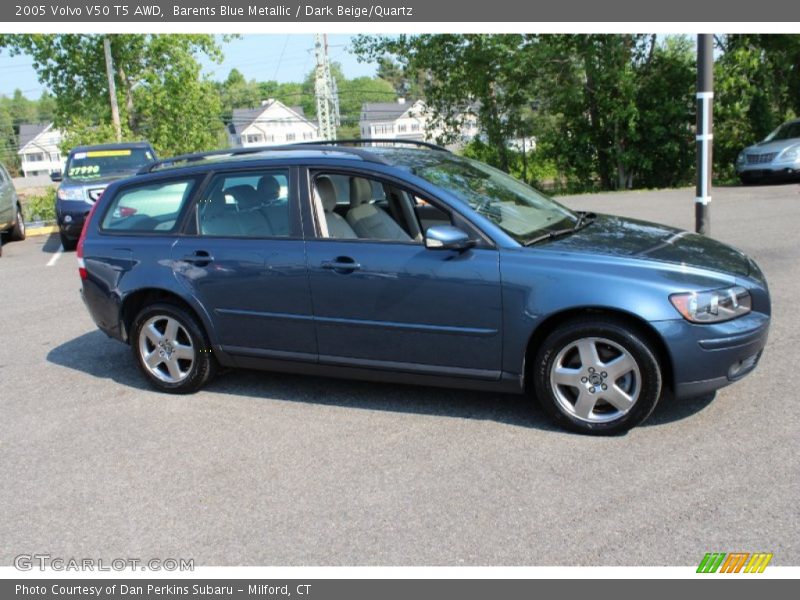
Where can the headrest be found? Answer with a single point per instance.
(268, 188)
(215, 205)
(327, 193)
(360, 191)
(245, 195)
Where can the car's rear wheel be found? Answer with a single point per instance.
(18, 231)
(67, 243)
(171, 349)
(597, 376)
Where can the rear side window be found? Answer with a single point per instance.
(254, 204)
(151, 207)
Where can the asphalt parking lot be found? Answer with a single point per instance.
(271, 469)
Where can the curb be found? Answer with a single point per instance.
(43, 230)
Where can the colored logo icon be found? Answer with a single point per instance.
(734, 562)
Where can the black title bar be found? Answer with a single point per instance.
(393, 11)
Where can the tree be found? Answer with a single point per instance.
(464, 74)
(157, 78)
(406, 84)
(757, 87)
(46, 108)
(8, 140)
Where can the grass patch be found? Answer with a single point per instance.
(39, 205)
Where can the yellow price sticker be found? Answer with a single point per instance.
(103, 153)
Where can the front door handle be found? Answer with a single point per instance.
(199, 257)
(341, 264)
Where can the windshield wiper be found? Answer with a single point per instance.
(584, 219)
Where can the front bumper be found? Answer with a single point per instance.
(771, 170)
(70, 215)
(707, 357)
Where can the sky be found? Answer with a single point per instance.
(262, 57)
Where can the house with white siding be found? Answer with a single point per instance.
(272, 123)
(406, 121)
(39, 149)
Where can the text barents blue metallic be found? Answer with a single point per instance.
(403, 262)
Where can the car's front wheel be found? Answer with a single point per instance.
(597, 375)
(67, 243)
(171, 349)
(749, 179)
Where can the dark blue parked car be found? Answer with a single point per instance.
(88, 172)
(413, 265)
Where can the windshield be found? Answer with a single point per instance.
(787, 131)
(518, 209)
(91, 164)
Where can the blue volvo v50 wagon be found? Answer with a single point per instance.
(406, 263)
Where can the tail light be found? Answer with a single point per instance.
(79, 248)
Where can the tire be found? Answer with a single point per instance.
(67, 243)
(183, 363)
(749, 179)
(601, 392)
(18, 231)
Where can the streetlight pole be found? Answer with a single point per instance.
(704, 137)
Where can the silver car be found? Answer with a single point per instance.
(12, 225)
(777, 156)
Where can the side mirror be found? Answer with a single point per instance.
(447, 237)
(56, 176)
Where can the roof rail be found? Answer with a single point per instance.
(365, 141)
(197, 156)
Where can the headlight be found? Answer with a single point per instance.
(740, 158)
(791, 153)
(713, 306)
(70, 194)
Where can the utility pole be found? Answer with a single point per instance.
(112, 87)
(705, 137)
(325, 91)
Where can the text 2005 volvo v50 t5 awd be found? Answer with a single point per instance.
(410, 264)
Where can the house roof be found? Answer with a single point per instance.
(242, 118)
(383, 111)
(29, 131)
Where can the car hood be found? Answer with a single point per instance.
(776, 146)
(618, 236)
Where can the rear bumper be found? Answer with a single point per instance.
(708, 357)
(103, 308)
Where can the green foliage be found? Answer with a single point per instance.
(609, 111)
(534, 167)
(161, 95)
(487, 75)
(757, 87)
(40, 207)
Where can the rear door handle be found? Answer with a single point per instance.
(341, 264)
(198, 257)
